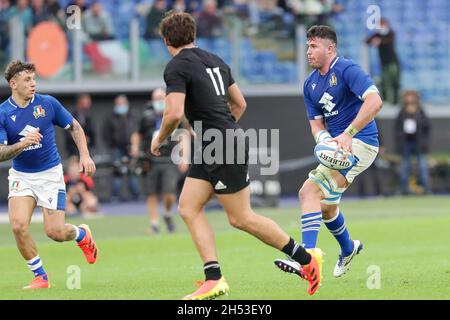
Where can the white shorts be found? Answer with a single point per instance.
(46, 187)
(323, 178)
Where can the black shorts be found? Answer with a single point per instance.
(224, 178)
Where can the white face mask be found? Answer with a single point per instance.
(383, 31)
(121, 109)
(159, 105)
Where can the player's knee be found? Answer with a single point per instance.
(243, 222)
(19, 227)
(186, 211)
(328, 211)
(56, 234)
(309, 191)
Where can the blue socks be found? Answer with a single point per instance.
(35, 265)
(338, 229)
(310, 229)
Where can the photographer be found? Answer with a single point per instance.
(159, 174)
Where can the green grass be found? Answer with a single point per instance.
(408, 239)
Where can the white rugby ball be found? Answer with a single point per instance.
(328, 154)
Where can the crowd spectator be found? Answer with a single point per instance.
(312, 12)
(209, 22)
(154, 17)
(40, 12)
(267, 16)
(5, 5)
(83, 116)
(179, 6)
(56, 12)
(23, 11)
(384, 40)
(98, 23)
(80, 4)
(80, 195)
(412, 135)
(117, 132)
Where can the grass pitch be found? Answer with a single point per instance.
(406, 239)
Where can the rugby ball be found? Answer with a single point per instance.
(333, 157)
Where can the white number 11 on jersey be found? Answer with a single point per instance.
(216, 71)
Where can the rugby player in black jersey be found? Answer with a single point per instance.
(200, 86)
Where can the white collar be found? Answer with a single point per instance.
(12, 102)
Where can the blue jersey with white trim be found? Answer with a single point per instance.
(43, 112)
(336, 97)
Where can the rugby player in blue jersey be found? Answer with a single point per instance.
(341, 102)
(27, 136)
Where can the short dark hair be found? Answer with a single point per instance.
(17, 66)
(322, 32)
(178, 28)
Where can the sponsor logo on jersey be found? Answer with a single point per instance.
(313, 86)
(24, 133)
(328, 105)
(13, 118)
(333, 80)
(38, 111)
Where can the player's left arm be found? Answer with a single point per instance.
(87, 165)
(173, 113)
(236, 101)
(360, 84)
(369, 109)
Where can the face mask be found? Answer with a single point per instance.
(159, 105)
(121, 109)
(179, 8)
(383, 31)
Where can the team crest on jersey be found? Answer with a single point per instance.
(333, 80)
(38, 111)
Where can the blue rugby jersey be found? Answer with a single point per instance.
(336, 97)
(43, 112)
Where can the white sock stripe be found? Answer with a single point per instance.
(36, 266)
(318, 216)
(339, 233)
(334, 218)
(311, 229)
(31, 261)
(295, 249)
(77, 231)
(311, 223)
(338, 229)
(216, 265)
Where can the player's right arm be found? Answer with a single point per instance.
(236, 101)
(8, 152)
(318, 130)
(316, 121)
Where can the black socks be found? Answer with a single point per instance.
(297, 252)
(212, 270)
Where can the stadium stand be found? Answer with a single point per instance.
(421, 27)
